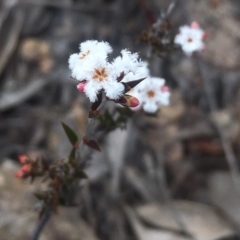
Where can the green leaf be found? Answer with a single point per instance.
(39, 196)
(91, 143)
(72, 155)
(132, 84)
(81, 174)
(73, 138)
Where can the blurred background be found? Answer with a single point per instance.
(174, 176)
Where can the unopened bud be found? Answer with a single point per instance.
(26, 168)
(204, 36)
(194, 25)
(133, 102)
(22, 158)
(164, 89)
(128, 101)
(19, 174)
(81, 86)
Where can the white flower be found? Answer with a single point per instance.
(113, 89)
(151, 92)
(190, 38)
(142, 71)
(93, 54)
(100, 77)
(92, 68)
(127, 62)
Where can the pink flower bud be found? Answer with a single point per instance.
(19, 174)
(26, 168)
(204, 36)
(164, 89)
(133, 102)
(22, 158)
(128, 101)
(194, 25)
(81, 86)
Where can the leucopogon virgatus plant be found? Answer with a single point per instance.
(125, 80)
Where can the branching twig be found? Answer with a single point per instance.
(14, 98)
(12, 40)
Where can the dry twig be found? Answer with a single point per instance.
(230, 156)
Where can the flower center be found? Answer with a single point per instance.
(150, 93)
(190, 40)
(100, 74)
(84, 54)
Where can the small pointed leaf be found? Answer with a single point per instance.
(70, 134)
(134, 83)
(81, 174)
(39, 196)
(91, 143)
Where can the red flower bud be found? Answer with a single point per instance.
(19, 174)
(133, 102)
(194, 25)
(164, 89)
(81, 86)
(22, 158)
(26, 168)
(204, 36)
(128, 101)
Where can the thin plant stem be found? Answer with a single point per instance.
(161, 177)
(40, 225)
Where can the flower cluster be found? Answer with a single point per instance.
(191, 38)
(31, 167)
(151, 93)
(26, 167)
(96, 74)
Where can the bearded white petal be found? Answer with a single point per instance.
(73, 60)
(91, 90)
(99, 49)
(128, 62)
(157, 82)
(142, 70)
(87, 45)
(150, 107)
(104, 47)
(117, 66)
(163, 98)
(114, 90)
(177, 39)
(79, 72)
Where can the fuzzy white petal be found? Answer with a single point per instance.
(150, 107)
(73, 59)
(91, 89)
(113, 89)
